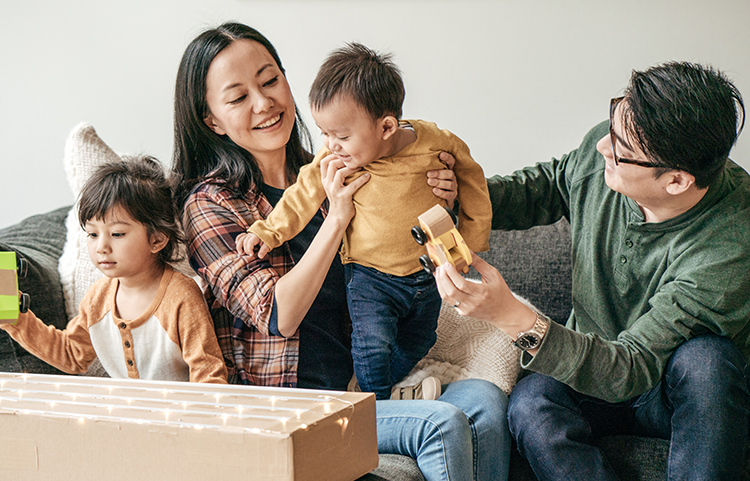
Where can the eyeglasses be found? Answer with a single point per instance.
(612, 106)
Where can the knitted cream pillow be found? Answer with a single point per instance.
(468, 348)
(84, 152)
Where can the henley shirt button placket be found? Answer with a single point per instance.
(127, 338)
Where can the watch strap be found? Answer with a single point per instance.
(532, 338)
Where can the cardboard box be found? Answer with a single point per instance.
(81, 428)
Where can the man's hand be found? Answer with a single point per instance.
(490, 300)
(443, 181)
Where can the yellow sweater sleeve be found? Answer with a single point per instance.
(475, 209)
(296, 207)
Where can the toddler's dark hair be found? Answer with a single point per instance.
(372, 80)
(141, 188)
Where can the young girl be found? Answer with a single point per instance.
(143, 320)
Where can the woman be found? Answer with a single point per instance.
(281, 320)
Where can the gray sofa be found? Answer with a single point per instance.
(535, 264)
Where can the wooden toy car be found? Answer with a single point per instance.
(437, 231)
(11, 305)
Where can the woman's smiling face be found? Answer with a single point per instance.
(250, 101)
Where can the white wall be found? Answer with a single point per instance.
(519, 81)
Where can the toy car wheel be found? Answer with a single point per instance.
(23, 267)
(24, 303)
(452, 214)
(427, 264)
(419, 235)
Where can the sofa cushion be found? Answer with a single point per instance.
(393, 467)
(39, 239)
(536, 265)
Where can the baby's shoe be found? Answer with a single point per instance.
(429, 388)
(353, 385)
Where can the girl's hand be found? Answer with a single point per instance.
(333, 174)
(443, 181)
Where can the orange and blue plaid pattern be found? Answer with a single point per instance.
(239, 291)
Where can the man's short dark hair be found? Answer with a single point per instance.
(372, 80)
(139, 186)
(686, 116)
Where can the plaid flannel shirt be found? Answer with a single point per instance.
(239, 292)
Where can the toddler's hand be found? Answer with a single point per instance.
(246, 244)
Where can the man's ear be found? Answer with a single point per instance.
(388, 126)
(211, 123)
(679, 182)
(158, 241)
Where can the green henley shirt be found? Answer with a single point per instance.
(639, 289)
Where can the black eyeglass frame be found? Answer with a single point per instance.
(612, 106)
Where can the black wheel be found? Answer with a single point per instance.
(419, 235)
(427, 264)
(452, 214)
(24, 303)
(23, 267)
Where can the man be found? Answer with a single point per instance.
(657, 342)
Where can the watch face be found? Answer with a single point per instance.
(527, 340)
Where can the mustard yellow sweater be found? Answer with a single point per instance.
(387, 206)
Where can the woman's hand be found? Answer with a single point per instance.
(333, 174)
(443, 181)
(297, 289)
(491, 300)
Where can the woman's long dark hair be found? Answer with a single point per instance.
(199, 153)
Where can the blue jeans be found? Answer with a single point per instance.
(393, 324)
(461, 437)
(701, 405)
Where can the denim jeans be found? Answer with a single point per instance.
(701, 405)
(393, 324)
(461, 437)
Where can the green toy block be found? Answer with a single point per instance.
(9, 305)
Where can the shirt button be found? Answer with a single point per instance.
(130, 362)
(127, 343)
(123, 325)
(629, 243)
(623, 260)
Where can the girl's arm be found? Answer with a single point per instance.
(68, 350)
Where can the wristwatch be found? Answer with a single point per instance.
(529, 340)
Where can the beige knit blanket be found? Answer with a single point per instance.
(468, 348)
